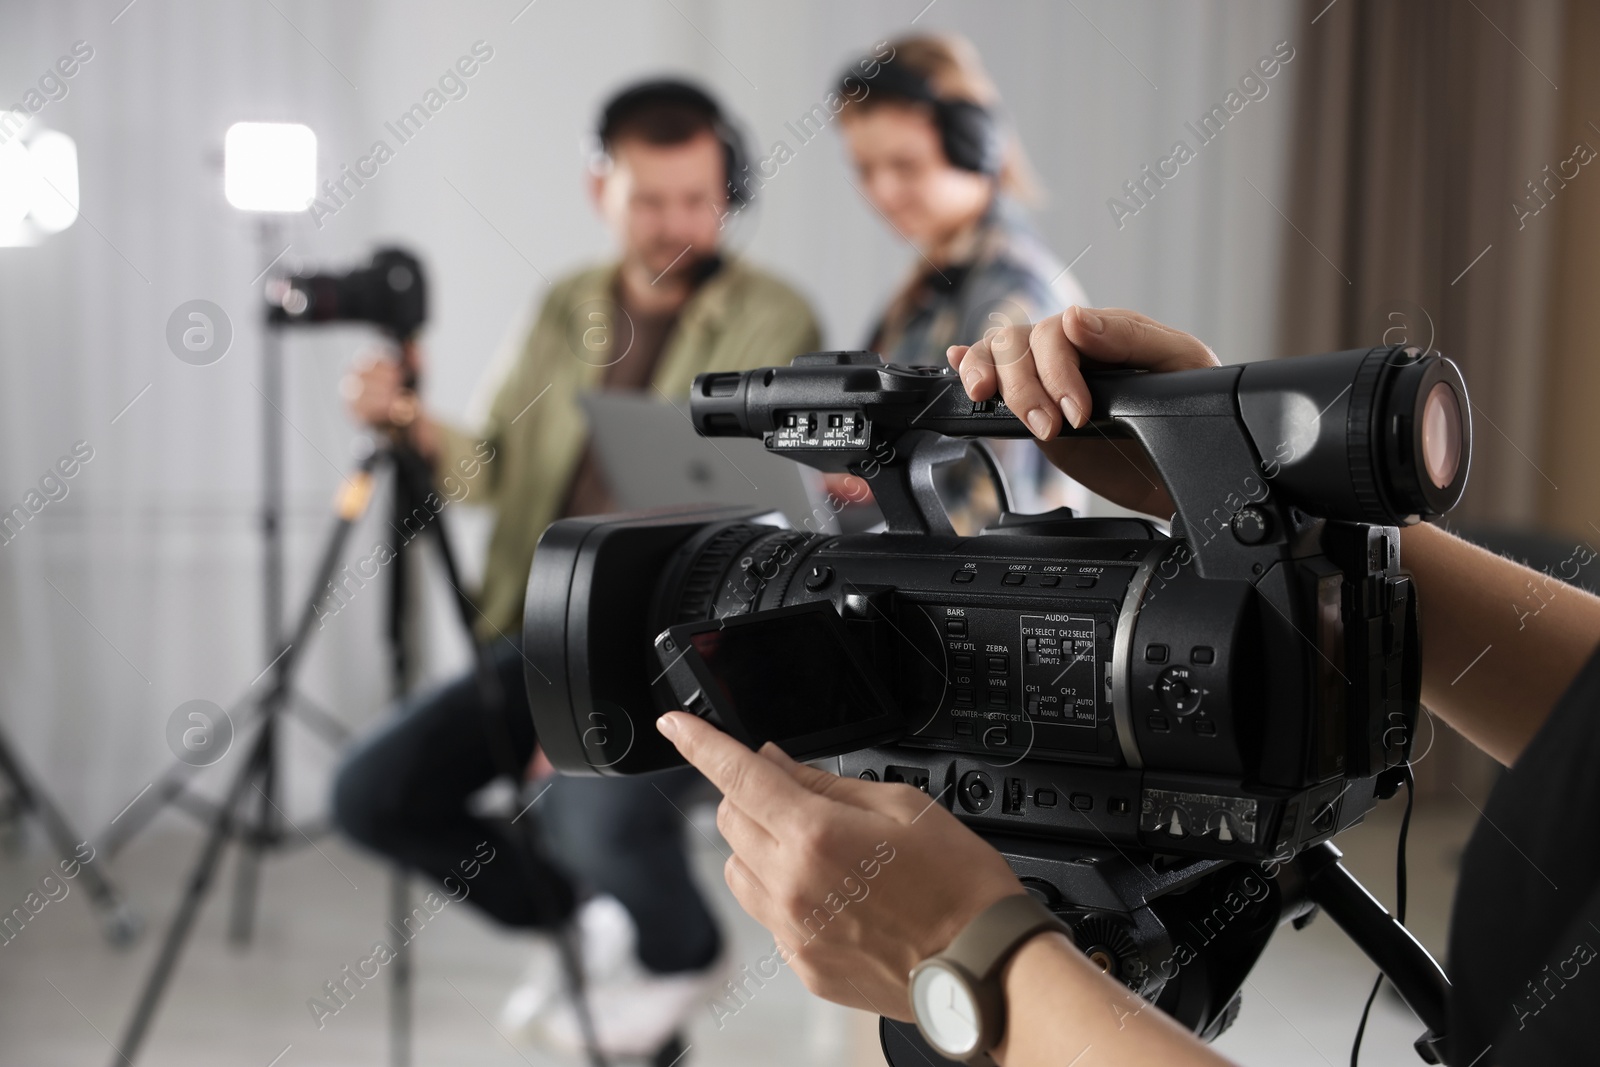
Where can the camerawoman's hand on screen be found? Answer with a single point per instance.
(1038, 370)
(861, 881)
(858, 881)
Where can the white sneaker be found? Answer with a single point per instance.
(634, 1011)
(605, 936)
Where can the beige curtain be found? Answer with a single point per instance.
(1420, 126)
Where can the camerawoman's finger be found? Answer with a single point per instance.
(1020, 385)
(871, 796)
(746, 836)
(976, 369)
(1056, 360)
(1127, 338)
(757, 786)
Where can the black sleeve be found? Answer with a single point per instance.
(1526, 928)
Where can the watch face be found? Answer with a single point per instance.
(945, 1010)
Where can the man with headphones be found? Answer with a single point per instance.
(667, 169)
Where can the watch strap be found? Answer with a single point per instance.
(989, 940)
(981, 950)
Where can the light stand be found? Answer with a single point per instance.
(120, 923)
(53, 158)
(263, 831)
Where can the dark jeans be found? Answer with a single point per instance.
(403, 792)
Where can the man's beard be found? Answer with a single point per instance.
(675, 263)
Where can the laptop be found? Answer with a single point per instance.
(652, 457)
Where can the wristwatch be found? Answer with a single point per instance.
(956, 995)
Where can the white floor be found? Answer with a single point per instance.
(65, 995)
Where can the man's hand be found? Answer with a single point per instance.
(858, 881)
(376, 394)
(1038, 369)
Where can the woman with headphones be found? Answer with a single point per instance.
(934, 159)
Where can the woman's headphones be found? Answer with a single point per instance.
(677, 93)
(969, 132)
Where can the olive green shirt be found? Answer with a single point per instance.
(521, 457)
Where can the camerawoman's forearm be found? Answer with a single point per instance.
(1500, 642)
(1058, 1005)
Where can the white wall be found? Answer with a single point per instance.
(156, 545)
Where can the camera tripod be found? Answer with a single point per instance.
(265, 830)
(1208, 998)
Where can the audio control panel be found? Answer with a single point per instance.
(1059, 680)
(1017, 682)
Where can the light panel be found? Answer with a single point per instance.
(38, 181)
(269, 166)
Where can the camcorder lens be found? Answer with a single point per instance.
(1441, 435)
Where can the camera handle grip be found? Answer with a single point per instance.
(903, 484)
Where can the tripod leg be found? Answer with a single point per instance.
(188, 908)
(258, 835)
(247, 875)
(400, 972)
(263, 831)
(121, 923)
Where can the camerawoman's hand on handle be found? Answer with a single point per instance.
(1038, 369)
(1464, 591)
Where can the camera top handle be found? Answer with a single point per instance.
(1248, 453)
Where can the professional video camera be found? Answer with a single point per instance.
(1157, 729)
(389, 292)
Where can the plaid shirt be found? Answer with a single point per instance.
(1002, 275)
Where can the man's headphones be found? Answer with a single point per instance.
(674, 92)
(969, 132)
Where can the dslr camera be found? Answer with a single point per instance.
(390, 293)
(1150, 724)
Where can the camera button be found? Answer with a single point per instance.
(1015, 577)
(1205, 727)
(1158, 723)
(1086, 581)
(1202, 654)
(962, 661)
(999, 698)
(1155, 653)
(963, 577)
(999, 664)
(955, 627)
(977, 791)
(964, 696)
(1250, 525)
(1050, 581)
(1044, 798)
(1178, 695)
(1082, 802)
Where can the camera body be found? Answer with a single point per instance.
(1133, 716)
(390, 292)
